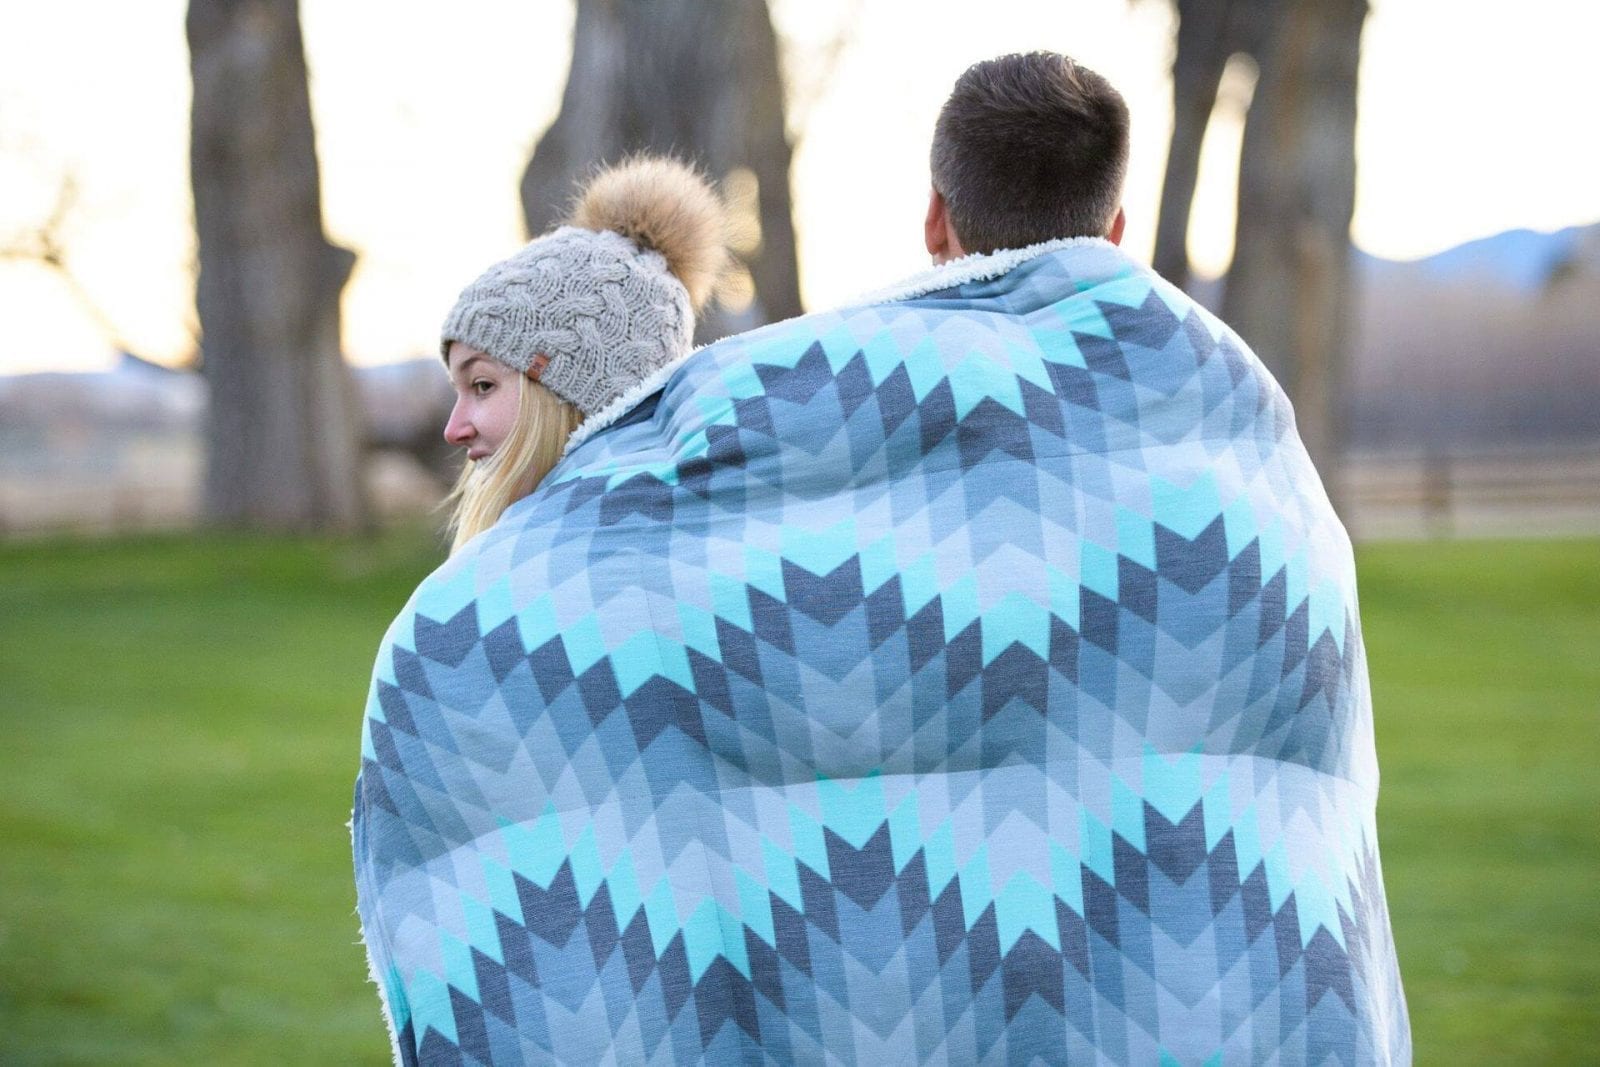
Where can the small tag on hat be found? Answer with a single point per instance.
(537, 364)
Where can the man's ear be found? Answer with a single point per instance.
(936, 228)
(1114, 235)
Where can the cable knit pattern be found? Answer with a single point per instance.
(606, 312)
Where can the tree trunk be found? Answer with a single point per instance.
(1289, 290)
(698, 78)
(1209, 33)
(283, 437)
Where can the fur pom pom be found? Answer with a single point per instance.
(663, 205)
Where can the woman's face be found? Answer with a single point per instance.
(486, 401)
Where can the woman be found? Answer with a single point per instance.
(572, 324)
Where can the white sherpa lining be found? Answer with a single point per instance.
(975, 267)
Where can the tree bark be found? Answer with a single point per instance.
(1289, 290)
(283, 436)
(1210, 32)
(698, 78)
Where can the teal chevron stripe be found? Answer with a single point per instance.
(878, 564)
(496, 604)
(1327, 612)
(584, 642)
(924, 365)
(646, 655)
(1022, 905)
(959, 601)
(1186, 511)
(1066, 877)
(977, 886)
(1270, 535)
(1316, 907)
(919, 583)
(730, 600)
(1016, 618)
(854, 812)
(1239, 525)
(882, 355)
(1136, 538)
(1066, 602)
(451, 588)
(458, 968)
(623, 884)
(699, 629)
(755, 907)
(821, 551)
(536, 621)
(972, 381)
(783, 877)
(535, 851)
(502, 888)
(587, 873)
(764, 571)
(1128, 289)
(1098, 570)
(939, 855)
(1094, 846)
(809, 846)
(661, 912)
(709, 932)
(1058, 346)
(395, 994)
(430, 1004)
(1246, 840)
(481, 931)
(905, 832)
(1025, 360)
(1217, 811)
(1127, 813)
(1280, 883)
(1172, 786)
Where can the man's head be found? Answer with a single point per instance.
(1027, 149)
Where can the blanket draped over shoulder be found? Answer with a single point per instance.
(972, 675)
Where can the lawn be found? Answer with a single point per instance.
(182, 716)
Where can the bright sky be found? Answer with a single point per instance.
(1475, 118)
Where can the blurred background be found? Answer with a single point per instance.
(229, 230)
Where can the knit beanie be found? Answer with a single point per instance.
(597, 305)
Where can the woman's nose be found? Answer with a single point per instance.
(458, 429)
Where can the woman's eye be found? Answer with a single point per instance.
(482, 387)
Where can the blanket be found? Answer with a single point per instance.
(972, 674)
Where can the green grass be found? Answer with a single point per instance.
(181, 719)
(1485, 663)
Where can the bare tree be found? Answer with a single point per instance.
(1210, 32)
(695, 77)
(283, 438)
(1288, 291)
(45, 244)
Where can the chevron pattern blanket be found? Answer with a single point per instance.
(968, 676)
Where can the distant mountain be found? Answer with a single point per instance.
(1491, 344)
(1519, 259)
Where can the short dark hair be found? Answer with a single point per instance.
(1030, 148)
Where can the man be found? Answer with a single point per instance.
(972, 674)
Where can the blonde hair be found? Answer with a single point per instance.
(486, 488)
